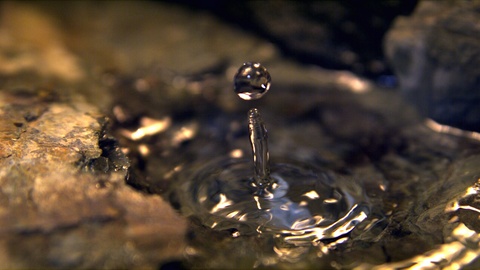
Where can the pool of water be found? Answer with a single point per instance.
(414, 179)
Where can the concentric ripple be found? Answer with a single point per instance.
(303, 204)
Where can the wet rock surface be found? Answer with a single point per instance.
(435, 53)
(65, 203)
(94, 137)
(59, 211)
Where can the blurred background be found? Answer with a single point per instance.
(345, 35)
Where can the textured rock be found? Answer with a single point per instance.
(436, 55)
(60, 212)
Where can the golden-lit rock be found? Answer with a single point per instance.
(52, 200)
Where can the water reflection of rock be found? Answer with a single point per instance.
(171, 68)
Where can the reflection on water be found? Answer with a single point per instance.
(302, 207)
(462, 246)
(422, 207)
(148, 127)
(451, 130)
(461, 250)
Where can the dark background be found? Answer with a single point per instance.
(344, 35)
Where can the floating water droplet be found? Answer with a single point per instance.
(252, 81)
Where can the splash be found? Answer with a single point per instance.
(295, 201)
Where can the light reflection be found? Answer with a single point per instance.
(119, 114)
(303, 203)
(348, 226)
(185, 133)
(455, 204)
(290, 254)
(461, 249)
(451, 130)
(352, 82)
(453, 255)
(297, 252)
(370, 225)
(468, 207)
(232, 214)
(243, 217)
(339, 241)
(244, 96)
(224, 202)
(300, 224)
(324, 249)
(453, 219)
(143, 150)
(336, 229)
(312, 194)
(148, 127)
(330, 200)
(170, 173)
(236, 153)
(275, 185)
(258, 202)
(318, 219)
(464, 234)
(473, 190)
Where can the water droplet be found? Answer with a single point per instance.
(226, 195)
(252, 81)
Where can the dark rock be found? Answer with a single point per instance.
(331, 34)
(436, 56)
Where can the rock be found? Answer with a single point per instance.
(55, 211)
(22, 49)
(436, 56)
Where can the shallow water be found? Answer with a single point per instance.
(410, 173)
(302, 207)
